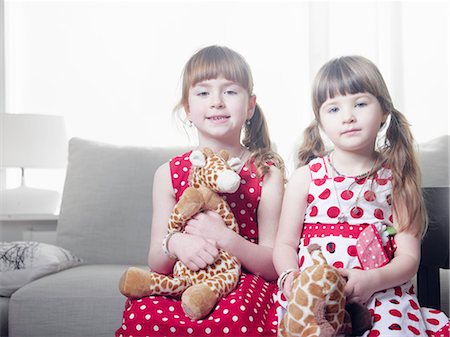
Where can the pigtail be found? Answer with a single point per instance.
(257, 140)
(400, 157)
(312, 145)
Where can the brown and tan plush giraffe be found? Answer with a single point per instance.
(200, 290)
(316, 307)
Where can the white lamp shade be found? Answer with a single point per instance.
(33, 141)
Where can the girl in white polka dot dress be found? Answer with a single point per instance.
(218, 99)
(360, 202)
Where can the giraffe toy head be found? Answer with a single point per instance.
(317, 304)
(214, 171)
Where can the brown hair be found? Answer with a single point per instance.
(214, 61)
(355, 74)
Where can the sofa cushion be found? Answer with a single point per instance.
(25, 261)
(82, 301)
(106, 208)
(434, 160)
(4, 303)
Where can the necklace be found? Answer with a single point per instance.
(354, 209)
(358, 177)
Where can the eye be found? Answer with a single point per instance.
(202, 93)
(230, 92)
(360, 104)
(333, 109)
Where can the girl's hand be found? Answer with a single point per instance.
(287, 288)
(360, 284)
(208, 225)
(194, 251)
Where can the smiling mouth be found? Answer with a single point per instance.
(217, 118)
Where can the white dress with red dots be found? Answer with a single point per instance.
(247, 311)
(353, 234)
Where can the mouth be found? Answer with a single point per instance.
(350, 132)
(217, 118)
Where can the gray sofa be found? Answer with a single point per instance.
(105, 219)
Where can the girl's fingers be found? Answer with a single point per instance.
(192, 266)
(348, 290)
(190, 229)
(344, 272)
(207, 258)
(212, 250)
(199, 262)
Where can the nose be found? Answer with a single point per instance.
(348, 116)
(217, 101)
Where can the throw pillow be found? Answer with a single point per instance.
(24, 261)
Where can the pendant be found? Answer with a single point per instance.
(342, 218)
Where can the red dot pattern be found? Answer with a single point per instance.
(396, 311)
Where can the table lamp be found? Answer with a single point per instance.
(31, 141)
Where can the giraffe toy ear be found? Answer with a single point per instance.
(223, 154)
(235, 163)
(208, 152)
(197, 158)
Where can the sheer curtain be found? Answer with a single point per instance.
(112, 68)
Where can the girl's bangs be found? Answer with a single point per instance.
(229, 68)
(340, 82)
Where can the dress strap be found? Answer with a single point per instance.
(180, 167)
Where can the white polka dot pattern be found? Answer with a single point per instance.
(248, 311)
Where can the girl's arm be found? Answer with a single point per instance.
(291, 223)
(256, 258)
(363, 283)
(194, 252)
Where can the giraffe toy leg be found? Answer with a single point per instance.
(190, 203)
(137, 283)
(198, 300)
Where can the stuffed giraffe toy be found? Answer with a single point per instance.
(199, 290)
(317, 305)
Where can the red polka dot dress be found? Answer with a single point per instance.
(353, 233)
(247, 311)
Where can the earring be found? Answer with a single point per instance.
(247, 122)
(190, 124)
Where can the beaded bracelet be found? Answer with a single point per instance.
(165, 245)
(282, 278)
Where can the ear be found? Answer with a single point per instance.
(197, 158)
(223, 154)
(251, 107)
(235, 163)
(207, 152)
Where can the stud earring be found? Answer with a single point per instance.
(190, 124)
(247, 122)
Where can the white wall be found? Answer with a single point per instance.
(113, 67)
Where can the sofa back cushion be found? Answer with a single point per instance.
(106, 208)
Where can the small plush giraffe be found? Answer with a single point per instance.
(316, 307)
(200, 290)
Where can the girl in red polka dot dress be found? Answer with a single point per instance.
(218, 99)
(360, 202)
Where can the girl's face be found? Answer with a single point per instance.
(218, 108)
(352, 121)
